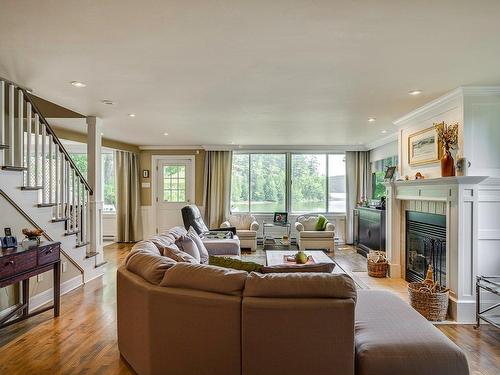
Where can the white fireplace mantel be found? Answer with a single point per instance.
(460, 197)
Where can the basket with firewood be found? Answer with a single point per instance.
(377, 264)
(429, 298)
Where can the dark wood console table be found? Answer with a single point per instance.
(18, 265)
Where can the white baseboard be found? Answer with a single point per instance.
(47, 296)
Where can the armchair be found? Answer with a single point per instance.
(310, 238)
(246, 228)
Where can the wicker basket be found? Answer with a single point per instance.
(433, 306)
(377, 269)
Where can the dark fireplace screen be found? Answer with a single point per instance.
(425, 245)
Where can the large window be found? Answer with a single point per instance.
(309, 183)
(108, 177)
(258, 183)
(379, 168)
(299, 183)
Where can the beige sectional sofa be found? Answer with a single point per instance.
(188, 318)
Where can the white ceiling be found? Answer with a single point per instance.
(250, 72)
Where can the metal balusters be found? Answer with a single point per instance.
(28, 143)
(37, 147)
(12, 155)
(20, 128)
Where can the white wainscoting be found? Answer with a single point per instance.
(109, 226)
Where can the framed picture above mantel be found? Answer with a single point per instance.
(424, 147)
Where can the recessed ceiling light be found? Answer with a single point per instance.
(372, 119)
(78, 84)
(384, 131)
(107, 101)
(165, 134)
(415, 92)
(131, 115)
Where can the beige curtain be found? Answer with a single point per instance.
(128, 197)
(358, 185)
(217, 186)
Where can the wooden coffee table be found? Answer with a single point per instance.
(275, 257)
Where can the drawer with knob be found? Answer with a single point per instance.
(15, 264)
(48, 254)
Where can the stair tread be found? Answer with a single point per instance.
(13, 168)
(46, 205)
(91, 254)
(31, 187)
(71, 233)
(60, 219)
(82, 244)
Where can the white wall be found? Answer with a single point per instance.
(384, 151)
(477, 110)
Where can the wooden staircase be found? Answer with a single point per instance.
(39, 175)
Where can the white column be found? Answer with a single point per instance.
(392, 228)
(94, 144)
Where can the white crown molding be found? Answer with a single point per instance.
(455, 94)
(430, 106)
(382, 141)
(165, 147)
(326, 148)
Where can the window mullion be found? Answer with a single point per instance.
(327, 180)
(249, 183)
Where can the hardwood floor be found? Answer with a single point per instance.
(83, 339)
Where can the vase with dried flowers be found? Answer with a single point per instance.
(448, 136)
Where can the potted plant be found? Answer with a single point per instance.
(448, 137)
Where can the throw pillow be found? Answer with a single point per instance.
(321, 223)
(199, 243)
(235, 264)
(187, 244)
(173, 252)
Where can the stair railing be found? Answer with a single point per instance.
(31, 145)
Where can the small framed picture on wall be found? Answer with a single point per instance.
(145, 173)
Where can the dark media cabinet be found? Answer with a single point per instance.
(370, 229)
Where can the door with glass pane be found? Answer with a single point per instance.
(175, 189)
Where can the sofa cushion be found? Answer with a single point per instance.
(285, 268)
(241, 221)
(151, 267)
(308, 222)
(206, 278)
(300, 285)
(178, 255)
(391, 338)
(191, 233)
(145, 246)
(317, 234)
(235, 264)
(187, 244)
(243, 234)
